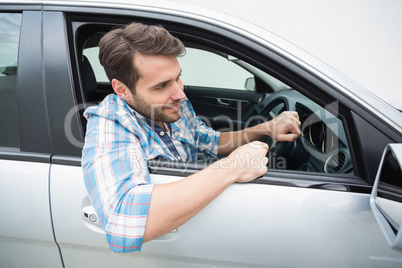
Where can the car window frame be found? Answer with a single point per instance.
(270, 62)
(34, 141)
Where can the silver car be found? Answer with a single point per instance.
(333, 198)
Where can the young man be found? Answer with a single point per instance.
(148, 117)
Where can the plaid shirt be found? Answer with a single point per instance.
(118, 143)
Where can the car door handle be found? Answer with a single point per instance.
(172, 235)
(222, 102)
(89, 215)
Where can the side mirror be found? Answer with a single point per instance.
(386, 196)
(250, 84)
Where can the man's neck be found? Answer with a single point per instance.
(161, 124)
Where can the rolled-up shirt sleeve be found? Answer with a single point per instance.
(118, 182)
(207, 138)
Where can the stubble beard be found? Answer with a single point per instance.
(156, 112)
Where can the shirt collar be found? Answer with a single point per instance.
(179, 130)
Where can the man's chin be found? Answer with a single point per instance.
(172, 119)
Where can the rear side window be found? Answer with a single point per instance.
(92, 55)
(10, 25)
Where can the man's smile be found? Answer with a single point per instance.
(174, 107)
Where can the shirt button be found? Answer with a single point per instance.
(162, 133)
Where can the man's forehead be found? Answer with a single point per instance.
(153, 63)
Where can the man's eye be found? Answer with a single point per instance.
(162, 86)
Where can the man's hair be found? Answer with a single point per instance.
(118, 47)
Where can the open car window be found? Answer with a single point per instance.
(91, 54)
(229, 94)
(221, 70)
(207, 69)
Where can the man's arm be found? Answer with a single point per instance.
(173, 204)
(285, 127)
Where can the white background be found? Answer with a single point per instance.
(360, 38)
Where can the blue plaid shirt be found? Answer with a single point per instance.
(118, 143)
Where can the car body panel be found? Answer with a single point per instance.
(325, 228)
(26, 224)
(385, 201)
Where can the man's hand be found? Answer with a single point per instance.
(246, 162)
(285, 127)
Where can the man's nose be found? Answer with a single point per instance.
(178, 92)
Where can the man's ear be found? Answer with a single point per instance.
(121, 89)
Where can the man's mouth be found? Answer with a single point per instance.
(172, 106)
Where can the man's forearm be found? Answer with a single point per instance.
(173, 204)
(231, 140)
(284, 127)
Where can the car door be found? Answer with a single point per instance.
(26, 232)
(297, 217)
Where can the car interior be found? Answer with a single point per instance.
(231, 93)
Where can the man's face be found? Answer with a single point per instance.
(159, 89)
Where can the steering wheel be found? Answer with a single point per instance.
(269, 112)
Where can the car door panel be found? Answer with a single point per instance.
(254, 224)
(247, 225)
(222, 109)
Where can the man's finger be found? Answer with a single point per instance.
(288, 137)
(295, 114)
